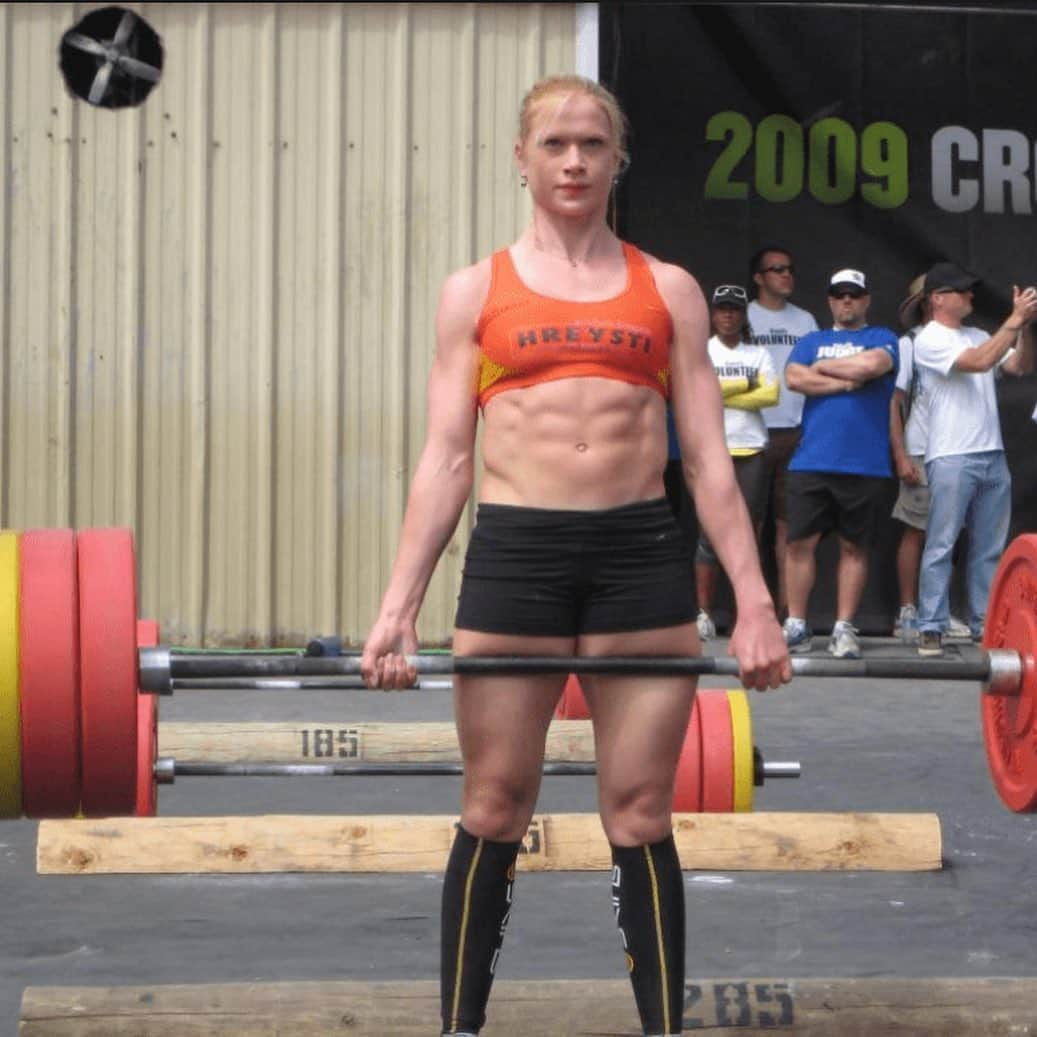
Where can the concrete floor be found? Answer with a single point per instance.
(864, 746)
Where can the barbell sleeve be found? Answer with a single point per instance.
(343, 682)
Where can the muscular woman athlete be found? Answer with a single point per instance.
(570, 342)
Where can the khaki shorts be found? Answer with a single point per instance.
(912, 506)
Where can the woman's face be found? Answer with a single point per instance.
(728, 320)
(570, 155)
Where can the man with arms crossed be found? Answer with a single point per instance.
(836, 475)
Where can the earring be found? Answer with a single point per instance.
(523, 180)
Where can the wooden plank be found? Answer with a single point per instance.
(328, 741)
(415, 843)
(576, 1008)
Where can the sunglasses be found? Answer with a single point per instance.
(731, 294)
(779, 268)
(846, 294)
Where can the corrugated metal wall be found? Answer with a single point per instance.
(217, 308)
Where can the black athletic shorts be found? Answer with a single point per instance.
(819, 502)
(538, 572)
(751, 474)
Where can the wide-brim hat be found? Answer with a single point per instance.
(909, 313)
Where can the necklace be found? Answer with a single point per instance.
(571, 260)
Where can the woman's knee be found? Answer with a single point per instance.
(498, 809)
(635, 816)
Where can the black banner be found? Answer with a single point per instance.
(883, 138)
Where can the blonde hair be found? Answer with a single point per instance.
(552, 85)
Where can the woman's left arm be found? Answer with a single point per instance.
(757, 640)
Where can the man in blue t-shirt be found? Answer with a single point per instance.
(835, 479)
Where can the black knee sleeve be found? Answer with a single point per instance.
(476, 906)
(648, 898)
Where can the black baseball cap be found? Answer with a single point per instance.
(730, 295)
(949, 277)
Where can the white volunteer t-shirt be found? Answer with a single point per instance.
(778, 331)
(963, 415)
(916, 431)
(743, 429)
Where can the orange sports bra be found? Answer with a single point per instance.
(526, 338)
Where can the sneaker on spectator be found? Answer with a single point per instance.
(845, 643)
(707, 628)
(957, 630)
(905, 626)
(930, 642)
(797, 635)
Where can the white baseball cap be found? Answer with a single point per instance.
(844, 279)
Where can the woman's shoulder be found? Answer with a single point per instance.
(468, 286)
(660, 267)
(676, 285)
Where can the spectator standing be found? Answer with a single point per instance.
(969, 481)
(835, 479)
(777, 324)
(748, 383)
(908, 432)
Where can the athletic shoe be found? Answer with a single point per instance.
(707, 628)
(797, 635)
(957, 630)
(845, 644)
(930, 642)
(905, 626)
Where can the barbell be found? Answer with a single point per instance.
(718, 768)
(1000, 671)
(68, 614)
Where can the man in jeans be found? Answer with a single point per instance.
(908, 432)
(969, 481)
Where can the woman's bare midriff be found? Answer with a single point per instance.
(577, 443)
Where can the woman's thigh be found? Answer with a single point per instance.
(502, 722)
(639, 722)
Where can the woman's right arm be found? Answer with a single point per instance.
(442, 480)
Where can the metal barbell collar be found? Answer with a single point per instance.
(999, 670)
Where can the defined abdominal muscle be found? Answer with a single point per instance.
(580, 443)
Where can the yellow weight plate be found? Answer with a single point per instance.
(10, 707)
(742, 732)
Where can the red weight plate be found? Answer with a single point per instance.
(718, 771)
(108, 671)
(687, 787)
(10, 712)
(147, 732)
(49, 660)
(1010, 721)
(572, 705)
